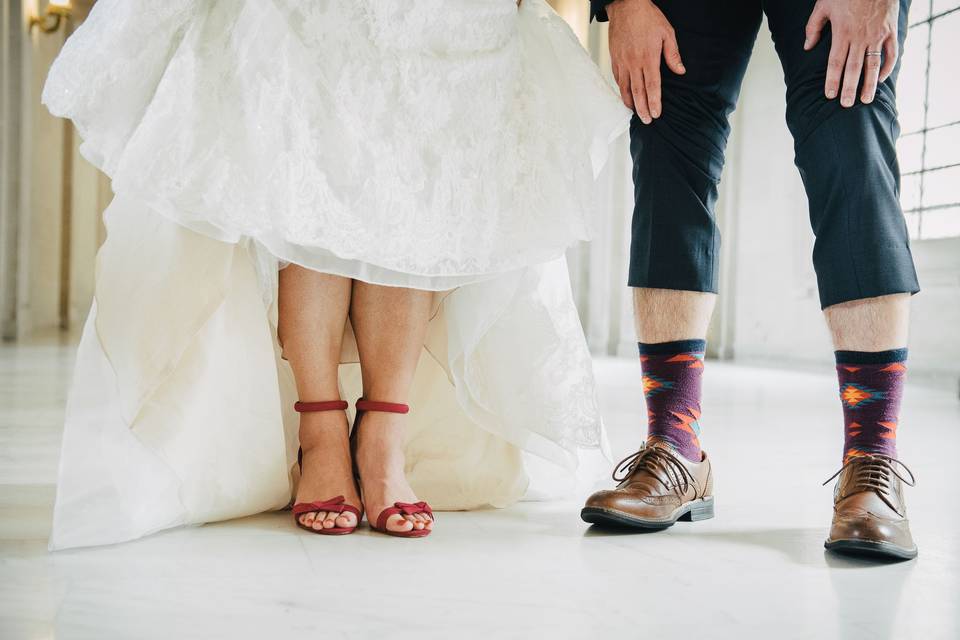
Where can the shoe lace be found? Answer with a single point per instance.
(660, 463)
(875, 473)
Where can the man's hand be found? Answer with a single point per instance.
(862, 30)
(639, 36)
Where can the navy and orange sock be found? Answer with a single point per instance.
(672, 373)
(871, 386)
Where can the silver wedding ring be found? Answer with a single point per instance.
(872, 53)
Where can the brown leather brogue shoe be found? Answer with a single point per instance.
(657, 487)
(869, 515)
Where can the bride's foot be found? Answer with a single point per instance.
(326, 469)
(380, 461)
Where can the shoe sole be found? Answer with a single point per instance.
(871, 549)
(700, 509)
(413, 533)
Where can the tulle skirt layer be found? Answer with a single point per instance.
(426, 143)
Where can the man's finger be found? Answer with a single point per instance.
(838, 55)
(640, 97)
(871, 72)
(623, 81)
(851, 74)
(816, 23)
(891, 51)
(651, 82)
(671, 54)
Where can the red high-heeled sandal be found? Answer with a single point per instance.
(337, 504)
(405, 508)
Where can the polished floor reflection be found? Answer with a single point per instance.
(758, 570)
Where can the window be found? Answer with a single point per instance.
(928, 98)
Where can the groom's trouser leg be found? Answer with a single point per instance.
(846, 157)
(678, 159)
(848, 161)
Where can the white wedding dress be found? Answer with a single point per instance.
(448, 145)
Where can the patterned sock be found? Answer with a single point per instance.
(671, 385)
(871, 385)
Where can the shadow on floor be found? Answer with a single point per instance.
(800, 546)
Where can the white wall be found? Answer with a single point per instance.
(770, 309)
(11, 77)
(46, 275)
(41, 228)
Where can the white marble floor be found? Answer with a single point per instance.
(758, 570)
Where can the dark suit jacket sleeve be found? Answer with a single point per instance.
(598, 10)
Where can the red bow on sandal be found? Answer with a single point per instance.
(338, 504)
(404, 508)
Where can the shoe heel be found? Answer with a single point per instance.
(700, 510)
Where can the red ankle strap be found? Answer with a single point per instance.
(328, 405)
(386, 407)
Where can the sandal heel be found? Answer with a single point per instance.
(403, 508)
(337, 504)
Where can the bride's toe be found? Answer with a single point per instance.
(318, 519)
(346, 520)
(399, 523)
(307, 519)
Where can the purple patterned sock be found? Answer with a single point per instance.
(871, 386)
(671, 386)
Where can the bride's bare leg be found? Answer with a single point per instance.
(390, 324)
(313, 312)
